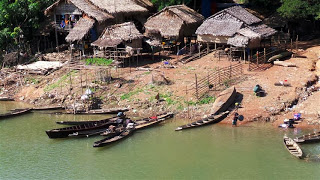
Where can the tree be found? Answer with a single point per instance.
(300, 9)
(163, 3)
(20, 17)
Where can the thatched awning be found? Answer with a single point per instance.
(263, 30)
(219, 28)
(249, 33)
(238, 41)
(168, 22)
(115, 34)
(82, 27)
(122, 6)
(85, 7)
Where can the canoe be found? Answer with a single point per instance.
(15, 112)
(292, 147)
(143, 123)
(6, 99)
(219, 109)
(308, 138)
(74, 123)
(280, 56)
(209, 120)
(47, 108)
(71, 131)
(117, 137)
(99, 111)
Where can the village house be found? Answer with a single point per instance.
(82, 21)
(172, 24)
(234, 26)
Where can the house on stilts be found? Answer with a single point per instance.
(235, 27)
(171, 25)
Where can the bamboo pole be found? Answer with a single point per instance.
(197, 92)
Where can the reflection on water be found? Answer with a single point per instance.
(253, 151)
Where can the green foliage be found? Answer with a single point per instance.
(32, 80)
(163, 3)
(299, 9)
(98, 61)
(206, 100)
(20, 17)
(129, 94)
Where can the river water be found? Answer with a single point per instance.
(253, 151)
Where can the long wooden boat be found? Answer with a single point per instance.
(292, 147)
(15, 112)
(143, 123)
(308, 138)
(68, 131)
(5, 98)
(99, 111)
(74, 123)
(47, 108)
(208, 120)
(109, 140)
(219, 109)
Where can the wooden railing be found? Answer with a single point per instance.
(218, 80)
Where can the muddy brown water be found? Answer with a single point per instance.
(252, 151)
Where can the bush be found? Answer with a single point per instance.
(98, 61)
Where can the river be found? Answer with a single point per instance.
(252, 151)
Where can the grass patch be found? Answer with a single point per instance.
(32, 80)
(206, 100)
(146, 73)
(129, 94)
(98, 61)
(60, 81)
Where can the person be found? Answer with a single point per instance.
(121, 116)
(235, 119)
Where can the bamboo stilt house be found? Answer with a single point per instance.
(173, 22)
(234, 26)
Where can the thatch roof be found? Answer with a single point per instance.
(85, 7)
(80, 30)
(168, 21)
(219, 28)
(123, 6)
(238, 41)
(241, 14)
(115, 34)
(247, 32)
(263, 30)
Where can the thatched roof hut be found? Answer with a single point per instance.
(123, 6)
(234, 26)
(174, 22)
(83, 5)
(117, 34)
(80, 30)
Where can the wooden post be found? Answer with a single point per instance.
(207, 48)
(55, 29)
(208, 78)
(219, 55)
(264, 55)
(81, 82)
(244, 55)
(197, 95)
(291, 45)
(230, 70)
(130, 63)
(70, 80)
(215, 45)
(199, 51)
(257, 58)
(297, 43)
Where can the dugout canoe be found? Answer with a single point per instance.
(209, 120)
(74, 123)
(279, 56)
(15, 112)
(112, 139)
(219, 109)
(71, 131)
(308, 138)
(143, 123)
(47, 108)
(99, 111)
(292, 147)
(4, 98)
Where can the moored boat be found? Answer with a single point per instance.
(117, 137)
(219, 109)
(47, 108)
(98, 111)
(71, 131)
(5, 98)
(208, 120)
(15, 112)
(292, 147)
(308, 138)
(74, 123)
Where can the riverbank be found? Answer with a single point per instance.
(160, 87)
